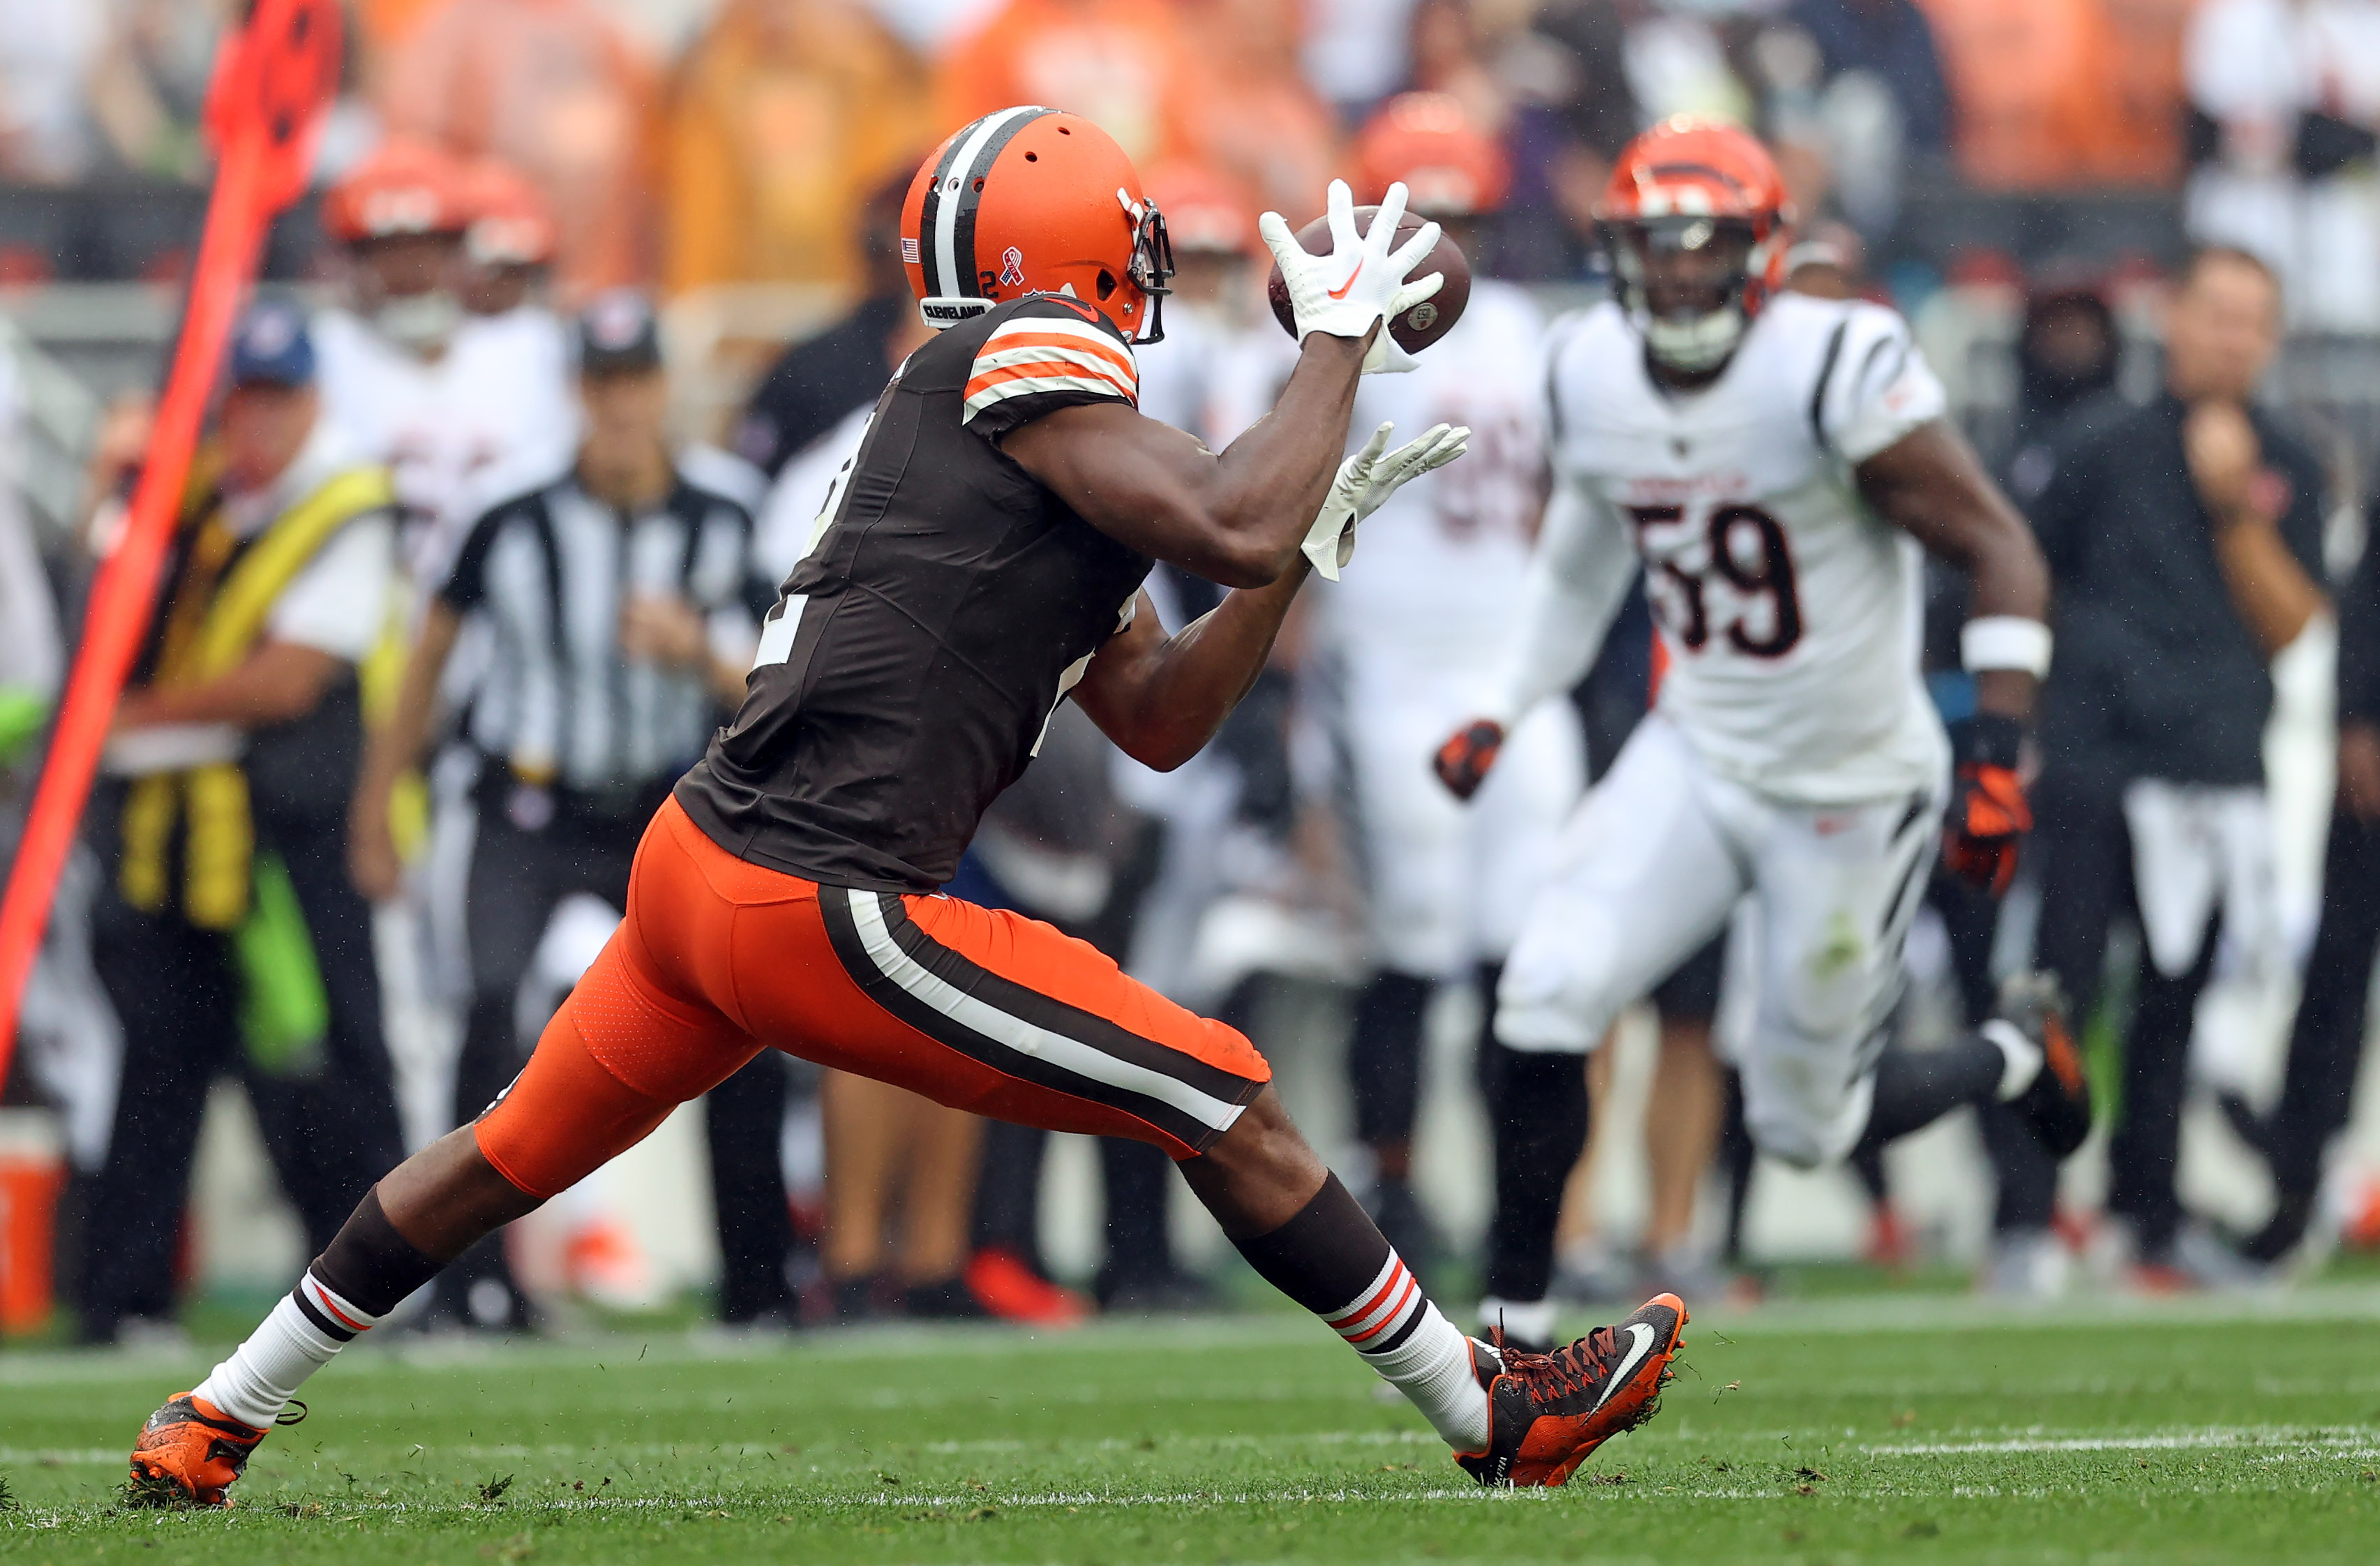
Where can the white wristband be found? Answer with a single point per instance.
(2005, 641)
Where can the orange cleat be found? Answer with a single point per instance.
(190, 1452)
(1546, 1412)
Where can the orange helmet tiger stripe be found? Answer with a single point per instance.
(1689, 168)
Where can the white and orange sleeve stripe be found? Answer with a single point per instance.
(1380, 1311)
(1036, 356)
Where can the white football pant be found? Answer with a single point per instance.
(1652, 866)
(1449, 884)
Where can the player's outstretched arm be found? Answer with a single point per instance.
(1577, 578)
(1240, 518)
(1930, 485)
(1236, 519)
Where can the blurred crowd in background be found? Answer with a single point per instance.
(639, 256)
(691, 142)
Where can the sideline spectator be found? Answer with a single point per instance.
(2284, 99)
(1563, 137)
(2326, 1043)
(148, 86)
(2029, 90)
(1891, 41)
(2144, 92)
(1449, 57)
(1357, 52)
(928, 24)
(614, 591)
(229, 938)
(1257, 119)
(785, 113)
(2184, 541)
(556, 88)
(46, 50)
(1127, 66)
(2066, 356)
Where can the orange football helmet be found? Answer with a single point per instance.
(403, 187)
(510, 223)
(1450, 167)
(1706, 187)
(1033, 200)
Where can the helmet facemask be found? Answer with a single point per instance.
(1686, 283)
(1151, 268)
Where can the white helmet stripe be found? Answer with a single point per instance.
(963, 173)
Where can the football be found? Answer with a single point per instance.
(1422, 325)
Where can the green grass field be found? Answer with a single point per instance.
(1878, 1429)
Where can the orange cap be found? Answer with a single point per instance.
(1450, 166)
(511, 223)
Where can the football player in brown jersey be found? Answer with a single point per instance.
(980, 560)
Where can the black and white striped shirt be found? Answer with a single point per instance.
(549, 571)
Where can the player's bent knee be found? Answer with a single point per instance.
(566, 1114)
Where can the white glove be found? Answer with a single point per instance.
(1362, 281)
(1387, 356)
(1365, 481)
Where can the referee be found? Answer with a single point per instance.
(615, 597)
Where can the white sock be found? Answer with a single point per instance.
(2022, 1057)
(1432, 1367)
(1400, 1334)
(1531, 1321)
(303, 1331)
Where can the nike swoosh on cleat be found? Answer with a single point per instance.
(1341, 291)
(1644, 1345)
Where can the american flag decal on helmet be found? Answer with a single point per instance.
(909, 251)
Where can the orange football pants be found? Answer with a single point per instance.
(979, 1009)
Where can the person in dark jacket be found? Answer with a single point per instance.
(817, 383)
(2184, 544)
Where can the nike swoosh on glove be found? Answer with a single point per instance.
(1989, 814)
(1463, 761)
(1362, 281)
(1366, 480)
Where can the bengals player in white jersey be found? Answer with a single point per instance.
(1776, 462)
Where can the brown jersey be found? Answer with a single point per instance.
(916, 653)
